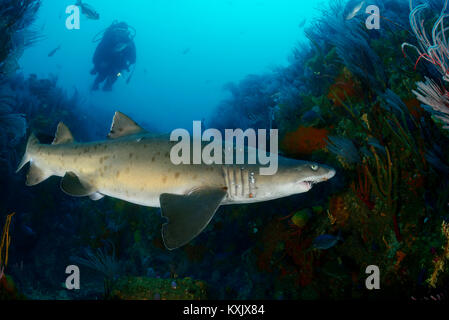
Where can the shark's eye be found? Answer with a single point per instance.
(314, 167)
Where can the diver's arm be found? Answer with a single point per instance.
(132, 53)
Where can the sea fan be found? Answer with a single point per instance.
(343, 148)
(250, 105)
(103, 262)
(435, 98)
(434, 47)
(100, 261)
(350, 39)
(393, 102)
(435, 160)
(16, 17)
(13, 124)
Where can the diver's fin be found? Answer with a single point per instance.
(122, 126)
(188, 215)
(32, 140)
(63, 135)
(36, 175)
(96, 196)
(73, 186)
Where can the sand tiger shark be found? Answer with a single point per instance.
(134, 165)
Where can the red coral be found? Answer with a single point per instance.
(414, 107)
(363, 187)
(304, 140)
(338, 210)
(344, 87)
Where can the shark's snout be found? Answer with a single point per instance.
(330, 174)
(326, 174)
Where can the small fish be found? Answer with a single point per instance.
(302, 23)
(300, 218)
(88, 10)
(354, 11)
(52, 52)
(326, 241)
(28, 231)
(186, 51)
(310, 116)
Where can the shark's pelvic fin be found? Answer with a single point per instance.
(122, 126)
(96, 196)
(188, 215)
(36, 175)
(63, 135)
(73, 186)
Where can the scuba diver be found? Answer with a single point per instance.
(115, 53)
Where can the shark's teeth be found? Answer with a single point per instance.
(307, 184)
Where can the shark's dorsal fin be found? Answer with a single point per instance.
(63, 135)
(188, 215)
(123, 125)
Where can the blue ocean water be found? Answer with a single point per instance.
(186, 52)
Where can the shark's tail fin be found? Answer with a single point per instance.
(32, 141)
(35, 174)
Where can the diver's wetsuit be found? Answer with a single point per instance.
(116, 52)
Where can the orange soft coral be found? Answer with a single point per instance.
(338, 210)
(344, 87)
(304, 140)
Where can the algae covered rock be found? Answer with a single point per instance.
(143, 288)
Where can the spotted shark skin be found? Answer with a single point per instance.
(134, 165)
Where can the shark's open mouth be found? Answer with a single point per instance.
(307, 184)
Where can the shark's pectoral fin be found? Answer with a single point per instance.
(73, 186)
(188, 215)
